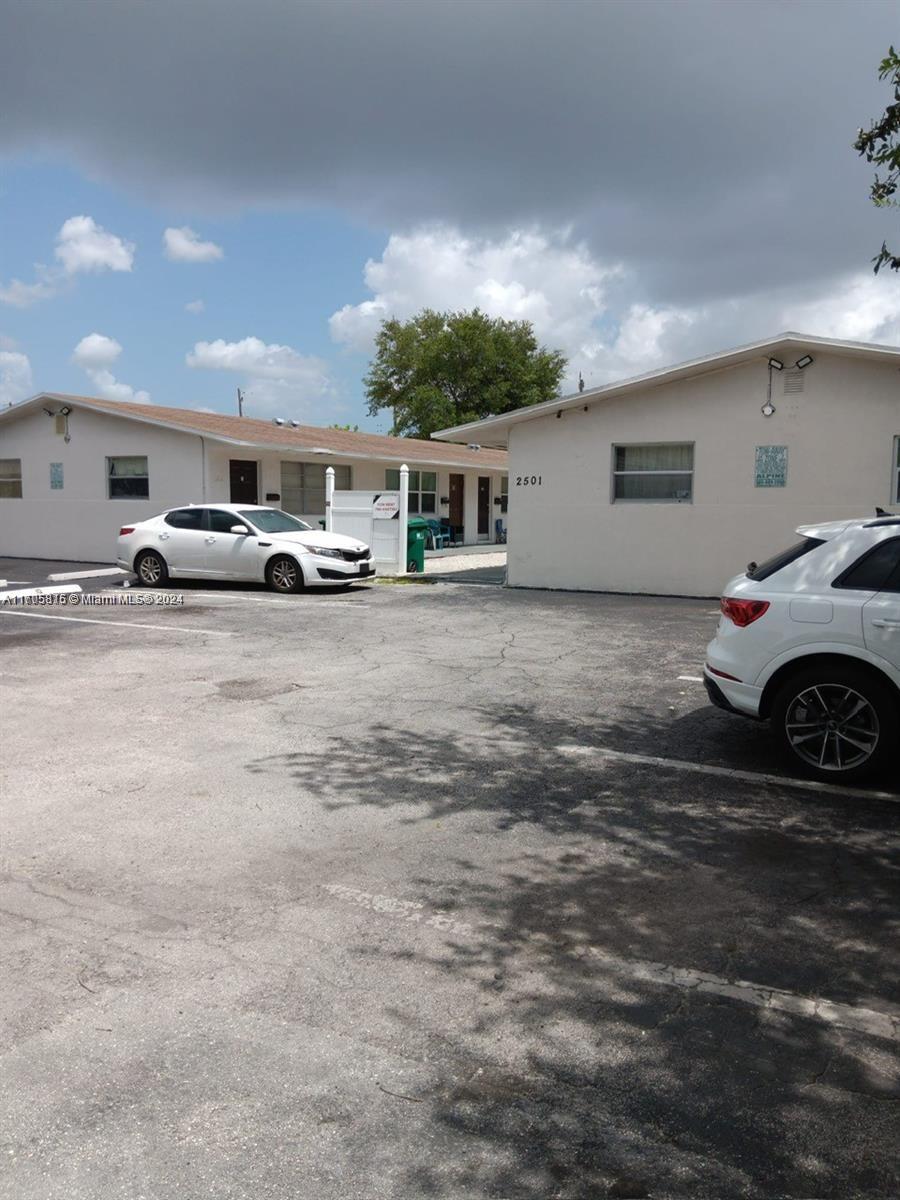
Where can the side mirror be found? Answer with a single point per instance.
(239, 529)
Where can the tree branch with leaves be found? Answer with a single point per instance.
(880, 144)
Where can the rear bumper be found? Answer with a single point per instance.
(732, 696)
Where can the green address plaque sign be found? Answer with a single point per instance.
(771, 466)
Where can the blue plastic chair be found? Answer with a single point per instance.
(500, 531)
(439, 538)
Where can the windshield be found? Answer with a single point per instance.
(273, 520)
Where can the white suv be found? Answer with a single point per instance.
(811, 641)
(240, 541)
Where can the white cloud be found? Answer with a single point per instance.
(278, 377)
(95, 354)
(861, 308)
(15, 377)
(83, 245)
(195, 306)
(184, 245)
(96, 350)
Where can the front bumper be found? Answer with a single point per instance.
(336, 570)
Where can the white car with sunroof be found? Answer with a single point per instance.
(810, 640)
(241, 542)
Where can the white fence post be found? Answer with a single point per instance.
(329, 497)
(404, 516)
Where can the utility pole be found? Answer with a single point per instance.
(240, 402)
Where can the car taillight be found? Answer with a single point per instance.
(126, 529)
(743, 612)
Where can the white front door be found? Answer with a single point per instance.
(230, 555)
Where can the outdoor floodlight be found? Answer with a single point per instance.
(767, 409)
(278, 420)
(803, 362)
(776, 364)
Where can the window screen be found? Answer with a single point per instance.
(303, 486)
(656, 471)
(128, 478)
(10, 478)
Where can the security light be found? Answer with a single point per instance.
(295, 424)
(64, 412)
(278, 420)
(776, 364)
(767, 409)
(474, 446)
(803, 362)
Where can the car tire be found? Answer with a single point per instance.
(837, 722)
(151, 569)
(285, 575)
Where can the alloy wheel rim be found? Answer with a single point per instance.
(284, 575)
(150, 570)
(832, 727)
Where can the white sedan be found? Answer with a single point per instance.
(240, 541)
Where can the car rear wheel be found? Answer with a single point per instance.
(283, 574)
(839, 723)
(151, 569)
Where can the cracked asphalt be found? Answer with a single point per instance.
(308, 896)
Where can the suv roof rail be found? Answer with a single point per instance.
(879, 521)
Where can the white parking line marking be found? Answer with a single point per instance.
(691, 678)
(29, 593)
(678, 764)
(8, 612)
(60, 576)
(845, 1016)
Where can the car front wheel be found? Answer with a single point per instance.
(283, 574)
(839, 723)
(151, 569)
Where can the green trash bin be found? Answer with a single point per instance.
(416, 533)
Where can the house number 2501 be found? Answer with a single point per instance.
(528, 481)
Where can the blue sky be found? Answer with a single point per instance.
(643, 182)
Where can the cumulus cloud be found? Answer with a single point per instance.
(95, 354)
(195, 306)
(279, 379)
(82, 246)
(183, 245)
(15, 377)
(96, 350)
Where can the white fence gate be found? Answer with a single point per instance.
(376, 518)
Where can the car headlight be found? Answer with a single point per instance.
(324, 551)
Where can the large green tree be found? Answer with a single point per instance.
(441, 369)
(880, 144)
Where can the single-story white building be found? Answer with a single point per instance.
(669, 483)
(73, 469)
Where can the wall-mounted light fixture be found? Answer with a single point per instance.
(775, 364)
(473, 446)
(767, 409)
(803, 362)
(61, 417)
(559, 414)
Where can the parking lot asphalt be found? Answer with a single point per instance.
(428, 891)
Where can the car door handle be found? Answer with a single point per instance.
(210, 540)
(885, 623)
(163, 537)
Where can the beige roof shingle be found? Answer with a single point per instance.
(250, 431)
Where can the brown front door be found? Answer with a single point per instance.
(457, 504)
(484, 505)
(244, 487)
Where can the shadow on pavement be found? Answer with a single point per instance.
(584, 1081)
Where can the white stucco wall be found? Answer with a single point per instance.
(81, 523)
(840, 436)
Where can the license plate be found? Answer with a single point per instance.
(365, 569)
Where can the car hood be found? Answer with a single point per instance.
(318, 537)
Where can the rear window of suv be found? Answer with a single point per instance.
(877, 571)
(759, 571)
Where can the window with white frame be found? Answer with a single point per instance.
(422, 489)
(655, 471)
(10, 479)
(127, 477)
(303, 487)
(896, 496)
